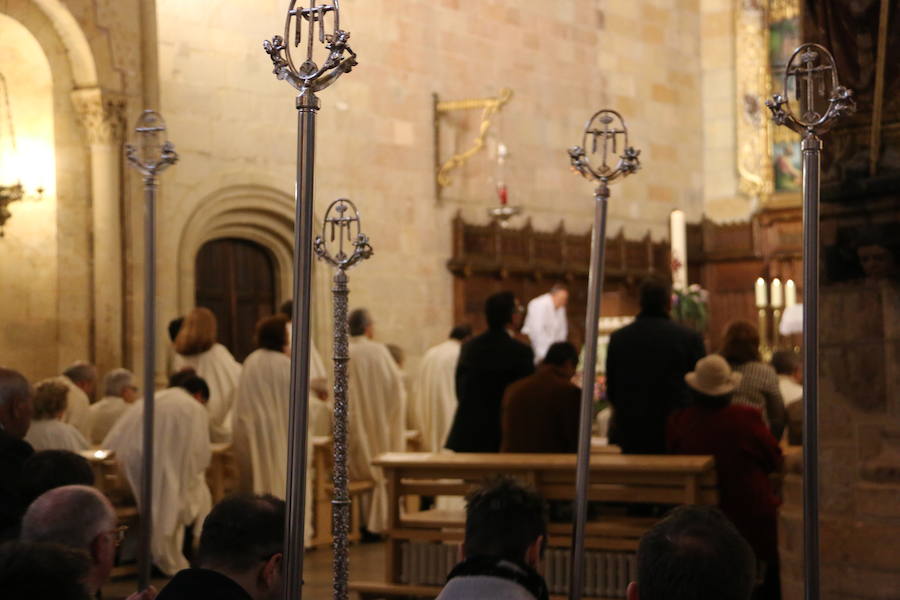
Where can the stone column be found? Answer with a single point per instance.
(103, 118)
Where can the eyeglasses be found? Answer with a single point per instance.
(118, 534)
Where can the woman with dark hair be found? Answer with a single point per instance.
(746, 454)
(759, 382)
(196, 347)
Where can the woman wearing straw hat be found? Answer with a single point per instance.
(745, 452)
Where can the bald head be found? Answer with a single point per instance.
(72, 515)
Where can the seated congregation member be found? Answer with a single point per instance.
(48, 431)
(787, 365)
(695, 553)
(488, 363)
(181, 456)
(759, 386)
(746, 454)
(506, 531)
(541, 411)
(434, 399)
(50, 469)
(31, 571)
(377, 398)
(80, 518)
(645, 366)
(81, 377)
(261, 413)
(196, 347)
(119, 394)
(15, 419)
(240, 556)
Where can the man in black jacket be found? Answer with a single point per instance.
(645, 367)
(240, 556)
(15, 419)
(487, 364)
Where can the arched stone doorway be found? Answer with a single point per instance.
(235, 278)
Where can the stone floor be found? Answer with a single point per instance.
(366, 562)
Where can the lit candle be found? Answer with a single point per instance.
(760, 293)
(776, 293)
(790, 293)
(678, 239)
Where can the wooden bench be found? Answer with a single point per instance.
(323, 489)
(423, 544)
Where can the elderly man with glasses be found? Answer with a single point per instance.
(79, 517)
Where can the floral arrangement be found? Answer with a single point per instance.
(690, 307)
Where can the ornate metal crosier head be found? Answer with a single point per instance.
(152, 152)
(341, 228)
(310, 77)
(811, 80)
(604, 134)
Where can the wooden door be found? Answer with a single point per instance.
(235, 279)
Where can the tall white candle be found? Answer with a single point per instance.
(678, 238)
(776, 293)
(790, 293)
(760, 289)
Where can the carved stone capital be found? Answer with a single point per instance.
(102, 115)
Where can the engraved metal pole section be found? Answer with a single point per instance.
(309, 25)
(341, 230)
(811, 78)
(601, 141)
(151, 156)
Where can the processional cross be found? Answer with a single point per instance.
(813, 76)
(608, 135)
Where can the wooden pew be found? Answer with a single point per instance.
(431, 537)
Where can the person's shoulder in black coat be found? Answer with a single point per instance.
(13, 454)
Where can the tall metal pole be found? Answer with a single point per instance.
(307, 80)
(153, 157)
(603, 128)
(811, 66)
(342, 228)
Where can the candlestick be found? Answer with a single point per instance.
(776, 294)
(678, 239)
(790, 293)
(760, 290)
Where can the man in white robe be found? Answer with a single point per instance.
(433, 402)
(545, 322)
(181, 455)
(221, 372)
(119, 394)
(377, 405)
(261, 415)
(81, 377)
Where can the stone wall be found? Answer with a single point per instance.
(234, 124)
(859, 400)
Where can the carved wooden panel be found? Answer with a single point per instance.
(489, 259)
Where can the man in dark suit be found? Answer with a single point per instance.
(487, 364)
(541, 411)
(240, 555)
(15, 419)
(645, 367)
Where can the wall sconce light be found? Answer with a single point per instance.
(11, 190)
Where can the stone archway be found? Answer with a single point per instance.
(261, 214)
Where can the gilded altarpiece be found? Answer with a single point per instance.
(768, 157)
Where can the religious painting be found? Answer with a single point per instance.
(768, 157)
(784, 38)
(786, 164)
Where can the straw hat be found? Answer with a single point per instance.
(712, 376)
